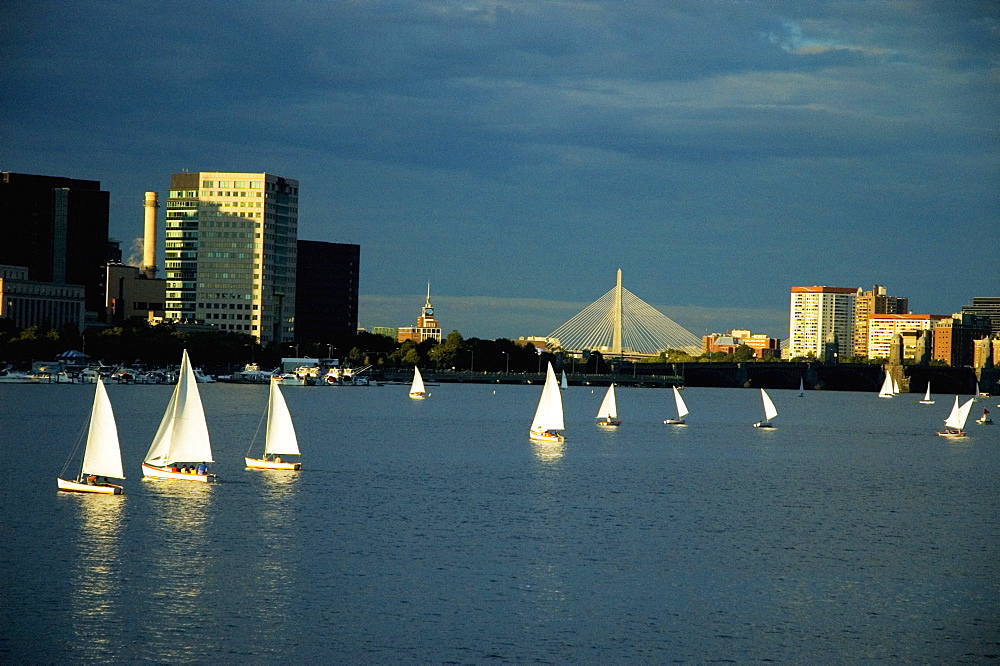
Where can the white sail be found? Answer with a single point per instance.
(802, 386)
(886, 390)
(103, 456)
(183, 432)
(609, 406)
(927, 394)
(682, 409)
(563, 383)
(280, 436)
(418, 381)
(769, 410)
(549, 415)
(895, 387)
(959, 414)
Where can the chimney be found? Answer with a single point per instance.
(149, 236)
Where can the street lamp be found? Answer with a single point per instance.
(472, 361)
(507, 358)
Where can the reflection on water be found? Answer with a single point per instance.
(276, 572)
(95, 600)
(548, 451)
(177, 541)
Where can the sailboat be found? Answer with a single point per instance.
(607, 415)
(563, 384)
(182, 436)
(417, 387)
(279, 435)
(548, 419)
(802, 387)
(682, 409)
(887, 389)
(769, 411)
(102, 457)
(955, 422)
(985, 418)
(927, 396)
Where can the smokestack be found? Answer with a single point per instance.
(149, 236)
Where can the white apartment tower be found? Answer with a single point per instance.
(230, 252)
(818, 316)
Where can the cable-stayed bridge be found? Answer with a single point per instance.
(620, 322)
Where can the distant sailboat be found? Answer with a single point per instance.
(887, 389)
(417, 391)
(682, 409)
(563, 384)
(927, 396)
(955, 423)
(985, 418)
(607, 415)
(102, 457)
(182, 436)
(769, 411)
(802, 387)
(548, 419)
(279, 435)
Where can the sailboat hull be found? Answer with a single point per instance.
(609, 423)
(674, 422)
(763, 424)
(418, 396)
(546, 436)
(260, 463)
(951, 433)
(77, 487)
(151, 472)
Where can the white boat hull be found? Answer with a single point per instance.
(418, 396)
(259, 463)
(77, 487)
(610, 423)
(674, 422)
(546, 436)
(763, 424)
(951, 433)
(151, 472)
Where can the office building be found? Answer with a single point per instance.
(867, 304)
(58, 229)
(326, 290)
(986, 306)
(231, 252)
(821, 321)
(427, 327)
(762, 345)
(32, 303)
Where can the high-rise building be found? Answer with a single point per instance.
(867, 304)
(326, 290)
(58, 229)
(986, 306)
(231, 252)
(955, 336)
(821, 319)
(427, 327)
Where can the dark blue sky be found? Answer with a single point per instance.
(515, 154)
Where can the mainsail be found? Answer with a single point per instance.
(183, 433)
(549, 415)
(280, 436)
(103, 455)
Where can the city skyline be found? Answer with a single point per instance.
(516, 155)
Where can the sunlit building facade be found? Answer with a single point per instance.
(819, 317)
(883, 328)
(231, 252)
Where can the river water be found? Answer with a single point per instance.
(434, 531)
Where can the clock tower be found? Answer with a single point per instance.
(427, 326)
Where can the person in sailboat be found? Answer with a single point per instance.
(202, 469)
